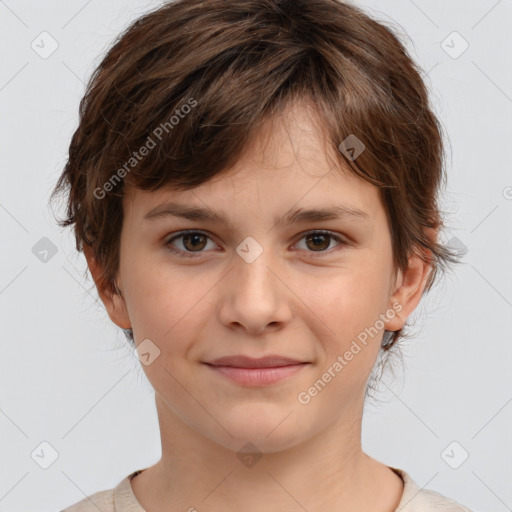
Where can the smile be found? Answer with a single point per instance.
(257, 377)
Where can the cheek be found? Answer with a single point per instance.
(350, 305)
(162, 300)
(351, 299)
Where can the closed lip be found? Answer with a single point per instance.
(239, 361)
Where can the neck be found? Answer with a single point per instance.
(328, 472)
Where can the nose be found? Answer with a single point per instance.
(254, 296)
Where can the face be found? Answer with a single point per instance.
(317, 289)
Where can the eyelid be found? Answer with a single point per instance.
(181, 234)
(343, 241)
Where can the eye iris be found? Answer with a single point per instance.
(195, 242)
(195, 237)
(317, 241)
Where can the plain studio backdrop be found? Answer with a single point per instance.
(77, 413)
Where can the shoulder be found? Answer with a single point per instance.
(116, 499)
(103, 500)
(416, 499)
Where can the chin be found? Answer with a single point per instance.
(269, 433)
(255, 442)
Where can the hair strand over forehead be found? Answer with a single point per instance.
(194, 80)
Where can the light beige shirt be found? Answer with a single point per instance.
(122, 499)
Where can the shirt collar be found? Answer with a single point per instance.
(124, 498)
(126, 501)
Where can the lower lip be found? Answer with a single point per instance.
(255, 377)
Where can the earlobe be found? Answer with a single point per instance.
(409, 288)
(112, 299)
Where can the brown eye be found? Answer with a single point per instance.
(318, 241)
(192, 243)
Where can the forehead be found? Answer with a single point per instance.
(288, 163)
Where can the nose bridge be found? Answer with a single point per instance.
(254, 296)
(252, 268)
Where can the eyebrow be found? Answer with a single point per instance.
(200, 214)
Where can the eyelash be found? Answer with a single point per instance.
(190, 254)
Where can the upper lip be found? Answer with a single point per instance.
(240, 361)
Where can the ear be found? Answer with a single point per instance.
(112, 299)
(409, 287)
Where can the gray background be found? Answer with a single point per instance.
(67, 377)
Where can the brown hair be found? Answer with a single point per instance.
(191, 82)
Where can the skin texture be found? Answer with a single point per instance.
(293, 300)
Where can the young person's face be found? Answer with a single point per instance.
(309, 299)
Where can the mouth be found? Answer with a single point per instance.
(240, 361)
(256, 372)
